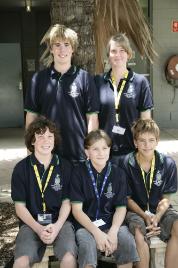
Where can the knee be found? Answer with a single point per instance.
(68, 259)
(22, 262)
(139, 237)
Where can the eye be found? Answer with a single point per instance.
(67, 44)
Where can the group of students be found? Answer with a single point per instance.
(105, 192)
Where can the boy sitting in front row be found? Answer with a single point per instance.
(152, 178)
(40, 184)
(99, 198)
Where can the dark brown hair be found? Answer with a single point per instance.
(145, 125)
(95, 136)
(39, 126)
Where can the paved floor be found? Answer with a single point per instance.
(12, 150)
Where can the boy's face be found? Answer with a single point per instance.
(146, 144)
(117, 55)
(44, 143)
(98, 153)
(62, 51)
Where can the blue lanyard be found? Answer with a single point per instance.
(98, 195)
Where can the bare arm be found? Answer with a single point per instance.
(23, 213)
(30, 117)
(146, 114)
(54, 229)
(92, 121)
(118, 219)
(100, 237)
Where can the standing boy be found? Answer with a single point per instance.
(64, 93)
(98, 195)
(40, 185)
(152, 179)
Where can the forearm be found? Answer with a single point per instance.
(92, 122)
(84, 220)
(146, 114)
(30, 117)
(162, 207)
(63, 213)
(118, 218)
(132, 205)
(25, 216)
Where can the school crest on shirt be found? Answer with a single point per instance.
(130, 94)
(109, 194)
(74, 90)
(57, 183)
(158, 179)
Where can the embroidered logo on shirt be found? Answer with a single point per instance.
(73, 90)
(57, 183)
(109, 194)
(158, 180)
(130, 92)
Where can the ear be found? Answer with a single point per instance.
(87, 154)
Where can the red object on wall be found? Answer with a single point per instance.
(175, 26)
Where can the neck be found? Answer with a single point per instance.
(44, 159)
(119, 72)
(98, 168)
(144, 162)
(62, 68)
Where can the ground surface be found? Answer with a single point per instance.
(8, 231)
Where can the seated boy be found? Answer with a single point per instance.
(40, 185)
(99, 198)
(152, 178)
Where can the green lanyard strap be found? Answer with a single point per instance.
(42, 190)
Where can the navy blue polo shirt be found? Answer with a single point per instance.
(114, 193)
(164, 180)
(135, 98)
(65, 99)
(25, 187)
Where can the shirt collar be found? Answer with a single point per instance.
(107, 75)
(56, 75)
(159, 158)
(54, 161)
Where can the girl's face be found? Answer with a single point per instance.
(118, 57)
(98, 153)
(44, 143)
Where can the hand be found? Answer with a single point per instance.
(153, 231)
(50, 232)
(102, 241)
(113, 240)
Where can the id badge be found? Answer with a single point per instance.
(99, 223)
(149, 213)
(118, 130)
(45, 219)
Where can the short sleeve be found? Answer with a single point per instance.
(32, 95)
(121, 194)
(91, 95)
(146, 98)
(76, 188)
(18, 191)
(171, 176)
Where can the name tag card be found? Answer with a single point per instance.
(44, 219)
(99, 223)
(118, 130)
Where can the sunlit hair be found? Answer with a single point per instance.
(55, 33)
(122, 41)
(144, 126)
(95, 136)
(39, 126)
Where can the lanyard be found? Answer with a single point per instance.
(151, 178)
(42, 190)
(98, 195)
(117, 95)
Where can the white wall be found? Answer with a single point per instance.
(166, 44)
